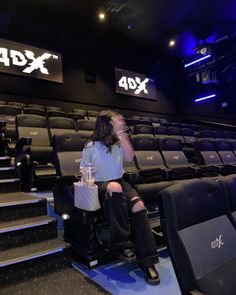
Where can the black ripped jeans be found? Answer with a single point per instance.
(126, 226)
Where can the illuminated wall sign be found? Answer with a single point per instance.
(24, 60)
(135, 84)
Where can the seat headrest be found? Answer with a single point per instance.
(193, 201)
(85, 124)
(169, 143)
(222, 145)
(205, 144)
(27, 120)
(68, 142)
(61, 123)
(144, 142)
(9, 110)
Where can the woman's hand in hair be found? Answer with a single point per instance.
(119, 125)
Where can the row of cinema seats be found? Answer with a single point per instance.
(158, 159)
(186, 134)
(8, 114)
(197, 218)
(34, 151)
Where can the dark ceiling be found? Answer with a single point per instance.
(149, 23)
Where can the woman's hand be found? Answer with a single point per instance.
(119, 125)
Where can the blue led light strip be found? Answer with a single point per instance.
(204, 98)
(197, 60)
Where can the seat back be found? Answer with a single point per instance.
(188, 135)
(143, 129)
(206, 152)
(60, 125)
(35, 127)
(17, 104)
(146, 153)
(67, 152)
(176, 132)
(34, 111)
(172, 152)
(201, 239)
(160, 131)
(224, 150)
(229, 183)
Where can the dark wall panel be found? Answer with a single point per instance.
(95, 53)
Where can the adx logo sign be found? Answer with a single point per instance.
(135, 84)
(24, 60)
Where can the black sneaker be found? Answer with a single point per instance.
(126, 255)
(151, 275)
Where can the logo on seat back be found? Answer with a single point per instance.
(176, 157)
(212, 156)
(33, 133)
(217, 243)
(78, 160)
(150, 158)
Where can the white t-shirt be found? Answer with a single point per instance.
(109, 165)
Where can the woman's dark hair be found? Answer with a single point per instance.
(104, 130)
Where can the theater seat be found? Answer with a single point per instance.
(207, 155)
(34, 161)
(8, 114)
(201, 239)
(60, 125)
(229, 184)
(148, 159)
(174, 158)
(86, 231)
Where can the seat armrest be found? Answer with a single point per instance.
(23, 141)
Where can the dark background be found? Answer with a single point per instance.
(91, 52)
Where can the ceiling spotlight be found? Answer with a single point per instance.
(102, 16)
(172, 43)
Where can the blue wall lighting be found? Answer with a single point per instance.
(204, 98)
(197, 60)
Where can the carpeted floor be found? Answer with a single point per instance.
(126, 278)
(62, 282)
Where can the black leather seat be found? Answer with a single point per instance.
(229, 184)
(86, 231)
(174, 158)
(85, 127)
(8, 114)
(34, 161)
(207, 156)
(34, 111)
(201, 239)
(60, 125)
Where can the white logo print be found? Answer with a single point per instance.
(27, 59)
(131, 83)
(33, 133)
(149, 158)
(217, 243)
(78, 160)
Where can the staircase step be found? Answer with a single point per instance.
(21, 205)
(9, 185)
(25, 262)
(7, 172)
(27, 230)
(5, 161)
